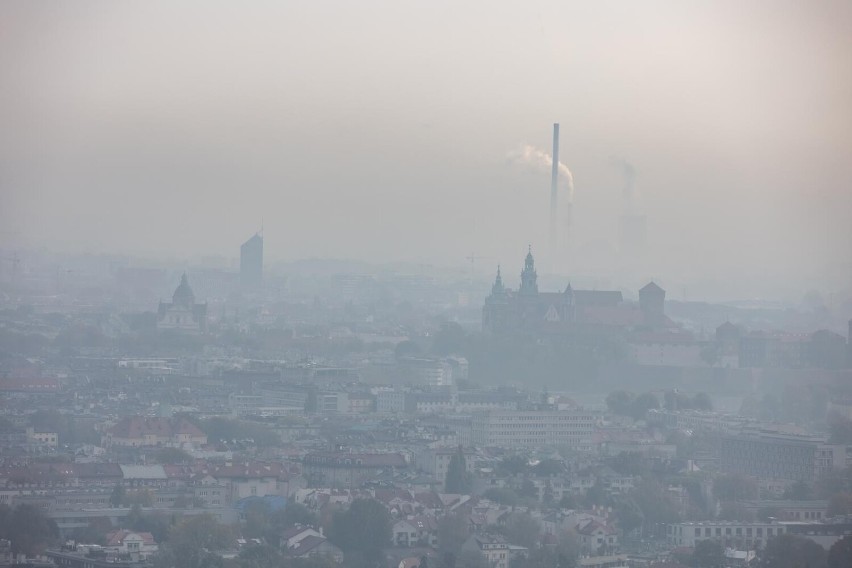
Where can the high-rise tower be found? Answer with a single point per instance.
(251, 262)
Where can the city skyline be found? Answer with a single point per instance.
(343, 169)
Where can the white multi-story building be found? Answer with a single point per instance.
(739, 534)
(390, 402)
(534, 428)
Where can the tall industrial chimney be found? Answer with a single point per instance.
(554, 183)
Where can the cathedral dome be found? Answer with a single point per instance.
(183, 295)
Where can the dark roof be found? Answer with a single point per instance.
(651, 288)
(306, 545)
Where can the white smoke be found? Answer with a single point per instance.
(532, 157)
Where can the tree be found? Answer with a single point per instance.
(194, 538)
(94, 533)
(629, 463)
(628, 514)
(29, 530)
(708, 554)
(734, 487)
(259, 556)
(840, 553)
(642, 404)
(116, 499)
(548, 467)
(548, 497)
(257, 518)
(522, 529)
(458, 479)
(452, 532)
(657, 506)
(528, 490)
(792, 551)
(295, 514)
(513, 465)
(568, 501)
(502, 495)
(597, 494)
(619, 402)
(365, 527)
(735, 512)
(406, 348)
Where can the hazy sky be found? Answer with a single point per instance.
(383, 130)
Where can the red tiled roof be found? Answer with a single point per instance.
(116, 538)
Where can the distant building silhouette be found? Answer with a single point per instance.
(182, 313)
(652, 300)
(251, 262)
(570, 311)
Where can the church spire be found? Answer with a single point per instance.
(498, 288)
(529, 286)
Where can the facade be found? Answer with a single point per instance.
(141, 431)
(782, 457)
(341, 469)
(182, 314)
(787, 510)
(428, 371)
(493, 548)
(251, 262)
(42, 438)
(436, 461)
(736, 534)
(251, 479)
(534, 428)
(390, 401)
(597, 538)
(131, 544)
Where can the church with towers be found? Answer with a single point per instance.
(182, 314)
(570, 311)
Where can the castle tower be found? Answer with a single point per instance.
(529, 277)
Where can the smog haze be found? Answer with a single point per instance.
(385, 130)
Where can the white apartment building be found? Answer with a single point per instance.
(739, 534)
(534, 428)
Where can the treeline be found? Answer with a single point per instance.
(626, 403)
(27, 528)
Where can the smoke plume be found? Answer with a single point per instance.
(532, 157)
